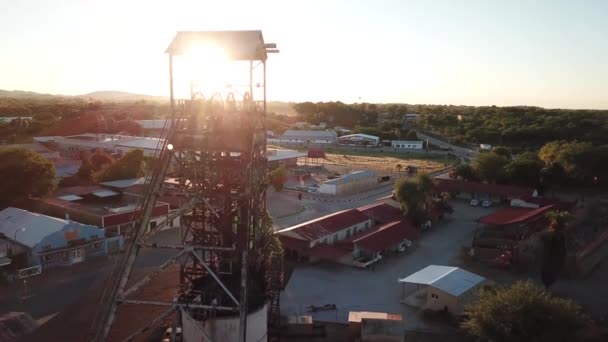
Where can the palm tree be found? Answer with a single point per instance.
(554, 246)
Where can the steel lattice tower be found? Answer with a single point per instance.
(216, 149)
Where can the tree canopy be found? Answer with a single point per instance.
(129, 166)
(278, 177)
(490, 166)
(25, 174)
(414, 194)
(523, 312)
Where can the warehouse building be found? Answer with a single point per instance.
(51, 242)
(359, 139)
(442, 288)
(112, 210)
(309, 137)
(407, 144)
(116, 144)
(350, 183)
(287, 158)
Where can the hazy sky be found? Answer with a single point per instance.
(545, 53)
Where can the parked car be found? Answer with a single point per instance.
(474, 202)
(167, 335)
(486, 204)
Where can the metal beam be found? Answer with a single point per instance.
(186, 247)
(216, 278)
(180, 305)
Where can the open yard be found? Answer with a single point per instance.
(381, 162)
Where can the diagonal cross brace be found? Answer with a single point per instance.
(215, 277)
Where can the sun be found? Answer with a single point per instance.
(206, 69)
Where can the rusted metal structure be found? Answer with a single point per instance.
(216, 148)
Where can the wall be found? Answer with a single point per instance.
(327, 189)
(341, 234)
(226, 329)
(445, 299)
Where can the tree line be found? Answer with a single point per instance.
(556, 162)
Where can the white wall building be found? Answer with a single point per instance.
(409, 144)
(349, 183)
(445, 287)
(313, 137)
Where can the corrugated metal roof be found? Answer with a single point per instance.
(37, 226)
(360, 135)
(326, 225)
(507, 216)
(124, 183)
(453, 185)
(452, 280)
(387, 236)
(301, 134)
(381, 212)
(236, 45)
(352, 176)
(276, 154)
(69, 198)
(105, 193)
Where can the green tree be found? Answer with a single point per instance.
(502, 151)
(524, 170)
(414, 194)
(129, 166)
(550, 151)
(25, 174)
(554, 246)
(466, 172)
(524, 312)
(490, 166)
(100, 159)
(278, 177)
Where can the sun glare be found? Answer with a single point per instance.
(207, 68)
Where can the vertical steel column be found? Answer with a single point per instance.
(171, 95)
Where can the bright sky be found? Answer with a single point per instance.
(547, 53)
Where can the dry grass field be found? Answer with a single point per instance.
(382, 163)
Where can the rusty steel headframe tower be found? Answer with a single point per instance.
(215, 147)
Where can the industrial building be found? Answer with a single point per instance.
(442, 288)
(277, 157)
(355, 237)
(350, 183)
(309, 137)
(51, 242)
(97, 205)
(116, 144)
(359, 139)
(408, 144)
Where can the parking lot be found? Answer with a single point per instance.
(377, 290)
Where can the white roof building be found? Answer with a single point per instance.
(292, 135)
(446, 287)
(111, 142)
(359, 138)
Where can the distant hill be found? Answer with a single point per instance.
(21, 94)
(121, 96)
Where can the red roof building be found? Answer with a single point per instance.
(480, 189)
(512, 216)
(349, 235)
(381, 212)
(326, 226)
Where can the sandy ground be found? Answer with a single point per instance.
(382, 163)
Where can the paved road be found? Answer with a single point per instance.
(459, 151)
